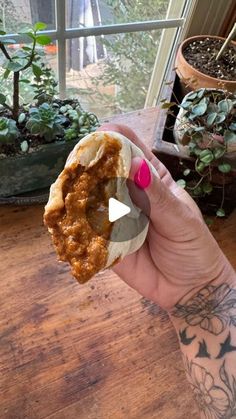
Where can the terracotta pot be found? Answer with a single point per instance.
(196, 79)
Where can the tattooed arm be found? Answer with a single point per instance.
(180, 265)
(206, 326)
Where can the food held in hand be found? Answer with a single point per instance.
(77, 210)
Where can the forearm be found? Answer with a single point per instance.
(206, 326)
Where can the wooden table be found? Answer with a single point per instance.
(97, 351)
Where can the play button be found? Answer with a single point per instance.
(117, 210)
(105, 206)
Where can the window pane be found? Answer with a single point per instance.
(111, 74)
(82, 13)
(15, 14)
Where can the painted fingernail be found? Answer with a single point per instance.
(142, 177)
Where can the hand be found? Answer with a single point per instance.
(179, 256)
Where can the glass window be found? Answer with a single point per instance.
(16, 14)
(83, 13)
(111, 74)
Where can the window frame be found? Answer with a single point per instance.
(61, 34)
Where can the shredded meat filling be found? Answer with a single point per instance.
(81, 230)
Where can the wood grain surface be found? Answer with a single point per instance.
(97, 351)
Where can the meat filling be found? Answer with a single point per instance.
(81, 230)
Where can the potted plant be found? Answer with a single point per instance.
(35, 139)
(205, 127)
(207, 61)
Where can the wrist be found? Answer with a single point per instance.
(204, 304)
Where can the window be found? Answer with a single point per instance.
(109, 53)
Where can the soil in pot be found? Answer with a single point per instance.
(201, 54)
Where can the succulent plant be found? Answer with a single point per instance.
(8, 130)
(206, 123)
(211, 112)
(82, 122)
(46, 122)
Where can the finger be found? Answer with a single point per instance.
(168, 214)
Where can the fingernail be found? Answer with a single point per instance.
(142, 177)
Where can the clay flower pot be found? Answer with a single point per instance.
(196, 79)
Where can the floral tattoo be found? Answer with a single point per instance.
(215, 402)
(213, 309)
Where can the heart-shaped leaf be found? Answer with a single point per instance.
(225, 105)
(40, 26)
(229, 136)
(211, 118)
(220, 118)
(224, 168)
(43, 39)
(220, 212)
(181, 183)
(199, 109)
(206, 156)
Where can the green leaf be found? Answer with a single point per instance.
(229, 136)
(43, 39)
(218, 152)
(225, 105)
(200, 166)
(181, 183)
(201, 93)
(6, 73)
(186, 105)
(199, 109)
(198, 191)
(40, 26)
(37, 70)
(233, 126)
(27, 48)
(21, 118)
(168, 105)
(26, 81)
(209, 222)
(2, 33)
(30, 34)
(186, 172)
(206, 156)
(207, 188)
(198, 129)
(2, 99)
(224, 167)
(24, 146)
(220, 212)
(220, 118)
(191, 95)
(211, 118)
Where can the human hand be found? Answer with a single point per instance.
(179, 256)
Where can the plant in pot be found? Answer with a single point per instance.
(207, 61)
(35, 139)
(205, 126)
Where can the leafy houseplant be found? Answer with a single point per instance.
(35, 139)
(206, 126)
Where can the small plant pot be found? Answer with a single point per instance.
(33, 171)
(192, 77)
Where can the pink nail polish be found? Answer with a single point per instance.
(142, 177)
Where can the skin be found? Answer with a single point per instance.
(181, 267)
(179, 256)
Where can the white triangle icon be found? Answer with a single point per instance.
(117, 210)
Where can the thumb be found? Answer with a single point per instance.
(168, 214)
